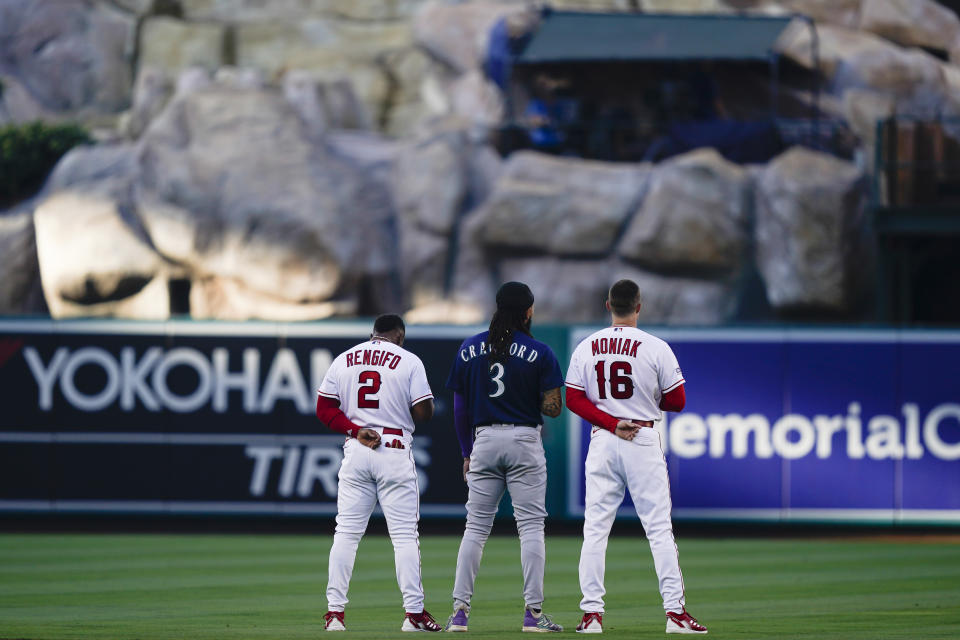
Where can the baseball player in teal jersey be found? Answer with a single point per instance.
(502, 381)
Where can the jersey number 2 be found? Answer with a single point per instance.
(621, 384)
(366, 394)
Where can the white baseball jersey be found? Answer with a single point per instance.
(376, 383)
(625, 371)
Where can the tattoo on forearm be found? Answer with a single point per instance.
(552, 403)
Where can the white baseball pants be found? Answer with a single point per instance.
(613, 464)
(366, 476)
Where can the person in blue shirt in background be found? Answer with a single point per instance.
(502, 381)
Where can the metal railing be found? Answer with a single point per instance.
(917, 163)
(651, 141)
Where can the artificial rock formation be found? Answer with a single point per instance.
(19, 271)
(810, 220)
(93, 263)
(694, 215)
(562, 206)
(295, 159)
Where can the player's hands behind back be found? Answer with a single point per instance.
(369, 438)
(627, 430)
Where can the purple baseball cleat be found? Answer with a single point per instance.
(539, 623)
(457, 621)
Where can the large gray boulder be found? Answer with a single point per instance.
(683, 301)
(694, 215)
(93, 263)
(267, 206)
(216, 298)
(562, 206)
(659, 6)
(574, 291)
(71, 56)
(841, 13)
(430, 181)
(19, 271)
(151, 92)
(422, 264)
(251, 11)
(404, 109)
(330, 49)
(108, 170)
(834, 45)
(861, 60)
(863, 109)
(173, 45)
(18, 105)
(474, 98)
(472, 275)
(810, 209)
(916, 23)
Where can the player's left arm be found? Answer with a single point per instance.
(673, 397)
(422, 411)
(551, 382)
(674, 400)
(551, 403)
(421, 398)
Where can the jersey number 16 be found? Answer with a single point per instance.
(621, 384)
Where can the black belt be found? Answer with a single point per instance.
(506, 424)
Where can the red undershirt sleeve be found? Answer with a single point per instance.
(674, 400)
(328, 410)
(578, 402)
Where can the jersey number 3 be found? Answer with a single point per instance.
(621, 384)
(496, 375)
(367, 393)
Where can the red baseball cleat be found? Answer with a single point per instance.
(591, 623)
(422, 621)
(683, 622)
(334, 621)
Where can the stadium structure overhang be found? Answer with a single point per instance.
(567, 36)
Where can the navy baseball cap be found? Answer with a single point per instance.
(514, 295)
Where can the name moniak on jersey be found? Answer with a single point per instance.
(517, 350)
(615, 346)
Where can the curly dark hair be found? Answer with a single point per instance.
(502, 326)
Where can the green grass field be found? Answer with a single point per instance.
(145, 587)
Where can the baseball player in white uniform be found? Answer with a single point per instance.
(374, 393)
(619, 380)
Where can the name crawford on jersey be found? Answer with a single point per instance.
(517, 350)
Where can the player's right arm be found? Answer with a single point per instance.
(580, 404)
(461, 413)
(330, 414)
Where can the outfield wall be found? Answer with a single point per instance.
(188, 417)
(809, 425)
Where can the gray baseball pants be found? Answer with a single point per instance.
(505, 457)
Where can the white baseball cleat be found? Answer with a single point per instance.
(683, 622)
(591, 623)
(334, 621)
(422, 621)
